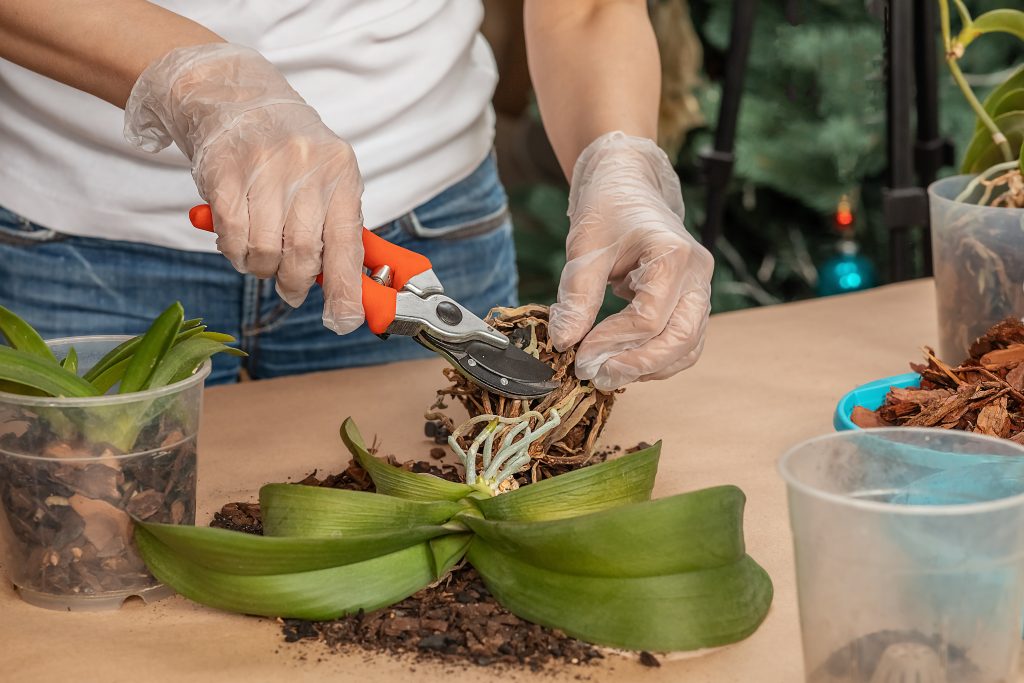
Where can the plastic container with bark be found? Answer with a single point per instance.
(74, 471)
(978, 255)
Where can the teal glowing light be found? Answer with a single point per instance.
(845, 272)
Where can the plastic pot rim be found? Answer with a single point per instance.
(889, 508)
(962, 180)
(107, 399)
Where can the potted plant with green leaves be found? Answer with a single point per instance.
(94, 431)
(977, 219)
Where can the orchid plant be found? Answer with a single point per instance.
(171, 350)
(996, 152)
(587, 552)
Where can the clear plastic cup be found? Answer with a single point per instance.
(73, 470)
(978, 257)
(909, 555)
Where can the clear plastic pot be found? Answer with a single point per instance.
(73, 470)
(978, 255)
(909, 555)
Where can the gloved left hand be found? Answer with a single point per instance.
(626, 228)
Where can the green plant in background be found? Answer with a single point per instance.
(996, 150)
(811, 129)
(170, 351)
(587, 552)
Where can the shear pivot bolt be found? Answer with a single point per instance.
(504, 381)
(449, 313)
(383, 275)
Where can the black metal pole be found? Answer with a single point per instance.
(927, 87)
(718, 161)
(899, 62)
(932, 151)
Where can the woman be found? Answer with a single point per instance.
(303, 120)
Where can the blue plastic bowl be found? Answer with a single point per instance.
(870, 396)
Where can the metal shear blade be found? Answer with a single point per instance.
(509, 372)
(481, 353)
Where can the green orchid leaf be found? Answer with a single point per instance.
(996, 21)
(319, 594)
(181, 360)
(295, 510)
(982, 153)
(110, 376)
(241, 554)
(152, 348)
(625, 480)
(119, 354)
(27, 369)
(21, 389)
(70, 361)
(183, 334)
(1014, 82)
(23, 337)
(1009, 101)
(687, 532)
(683, 611)
(125, 349)
(222, 338)
(447, 551)
(392, 481)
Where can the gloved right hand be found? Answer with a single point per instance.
(284, 189)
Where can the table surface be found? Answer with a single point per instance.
(769, 378)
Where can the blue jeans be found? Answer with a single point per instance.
(66, 285)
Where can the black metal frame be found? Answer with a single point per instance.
(911, 76)
(911, 71)
(718, 161)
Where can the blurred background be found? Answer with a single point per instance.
(803, 211)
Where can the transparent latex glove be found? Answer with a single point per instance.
(626, 228)
(284, 189)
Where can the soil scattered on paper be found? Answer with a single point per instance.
(456, 621)
(983, 394)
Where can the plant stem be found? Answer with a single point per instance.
(979, 110)
(944, 22)
(953, 53)
(965, 16)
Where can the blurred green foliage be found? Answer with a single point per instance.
(811, 129)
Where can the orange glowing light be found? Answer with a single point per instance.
(844, 212)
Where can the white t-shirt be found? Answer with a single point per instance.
(407, 83)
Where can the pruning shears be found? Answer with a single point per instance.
(402, 295)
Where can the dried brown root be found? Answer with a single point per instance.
(582, 409)
(1012, 197)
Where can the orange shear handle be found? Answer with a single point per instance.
(379, 302)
